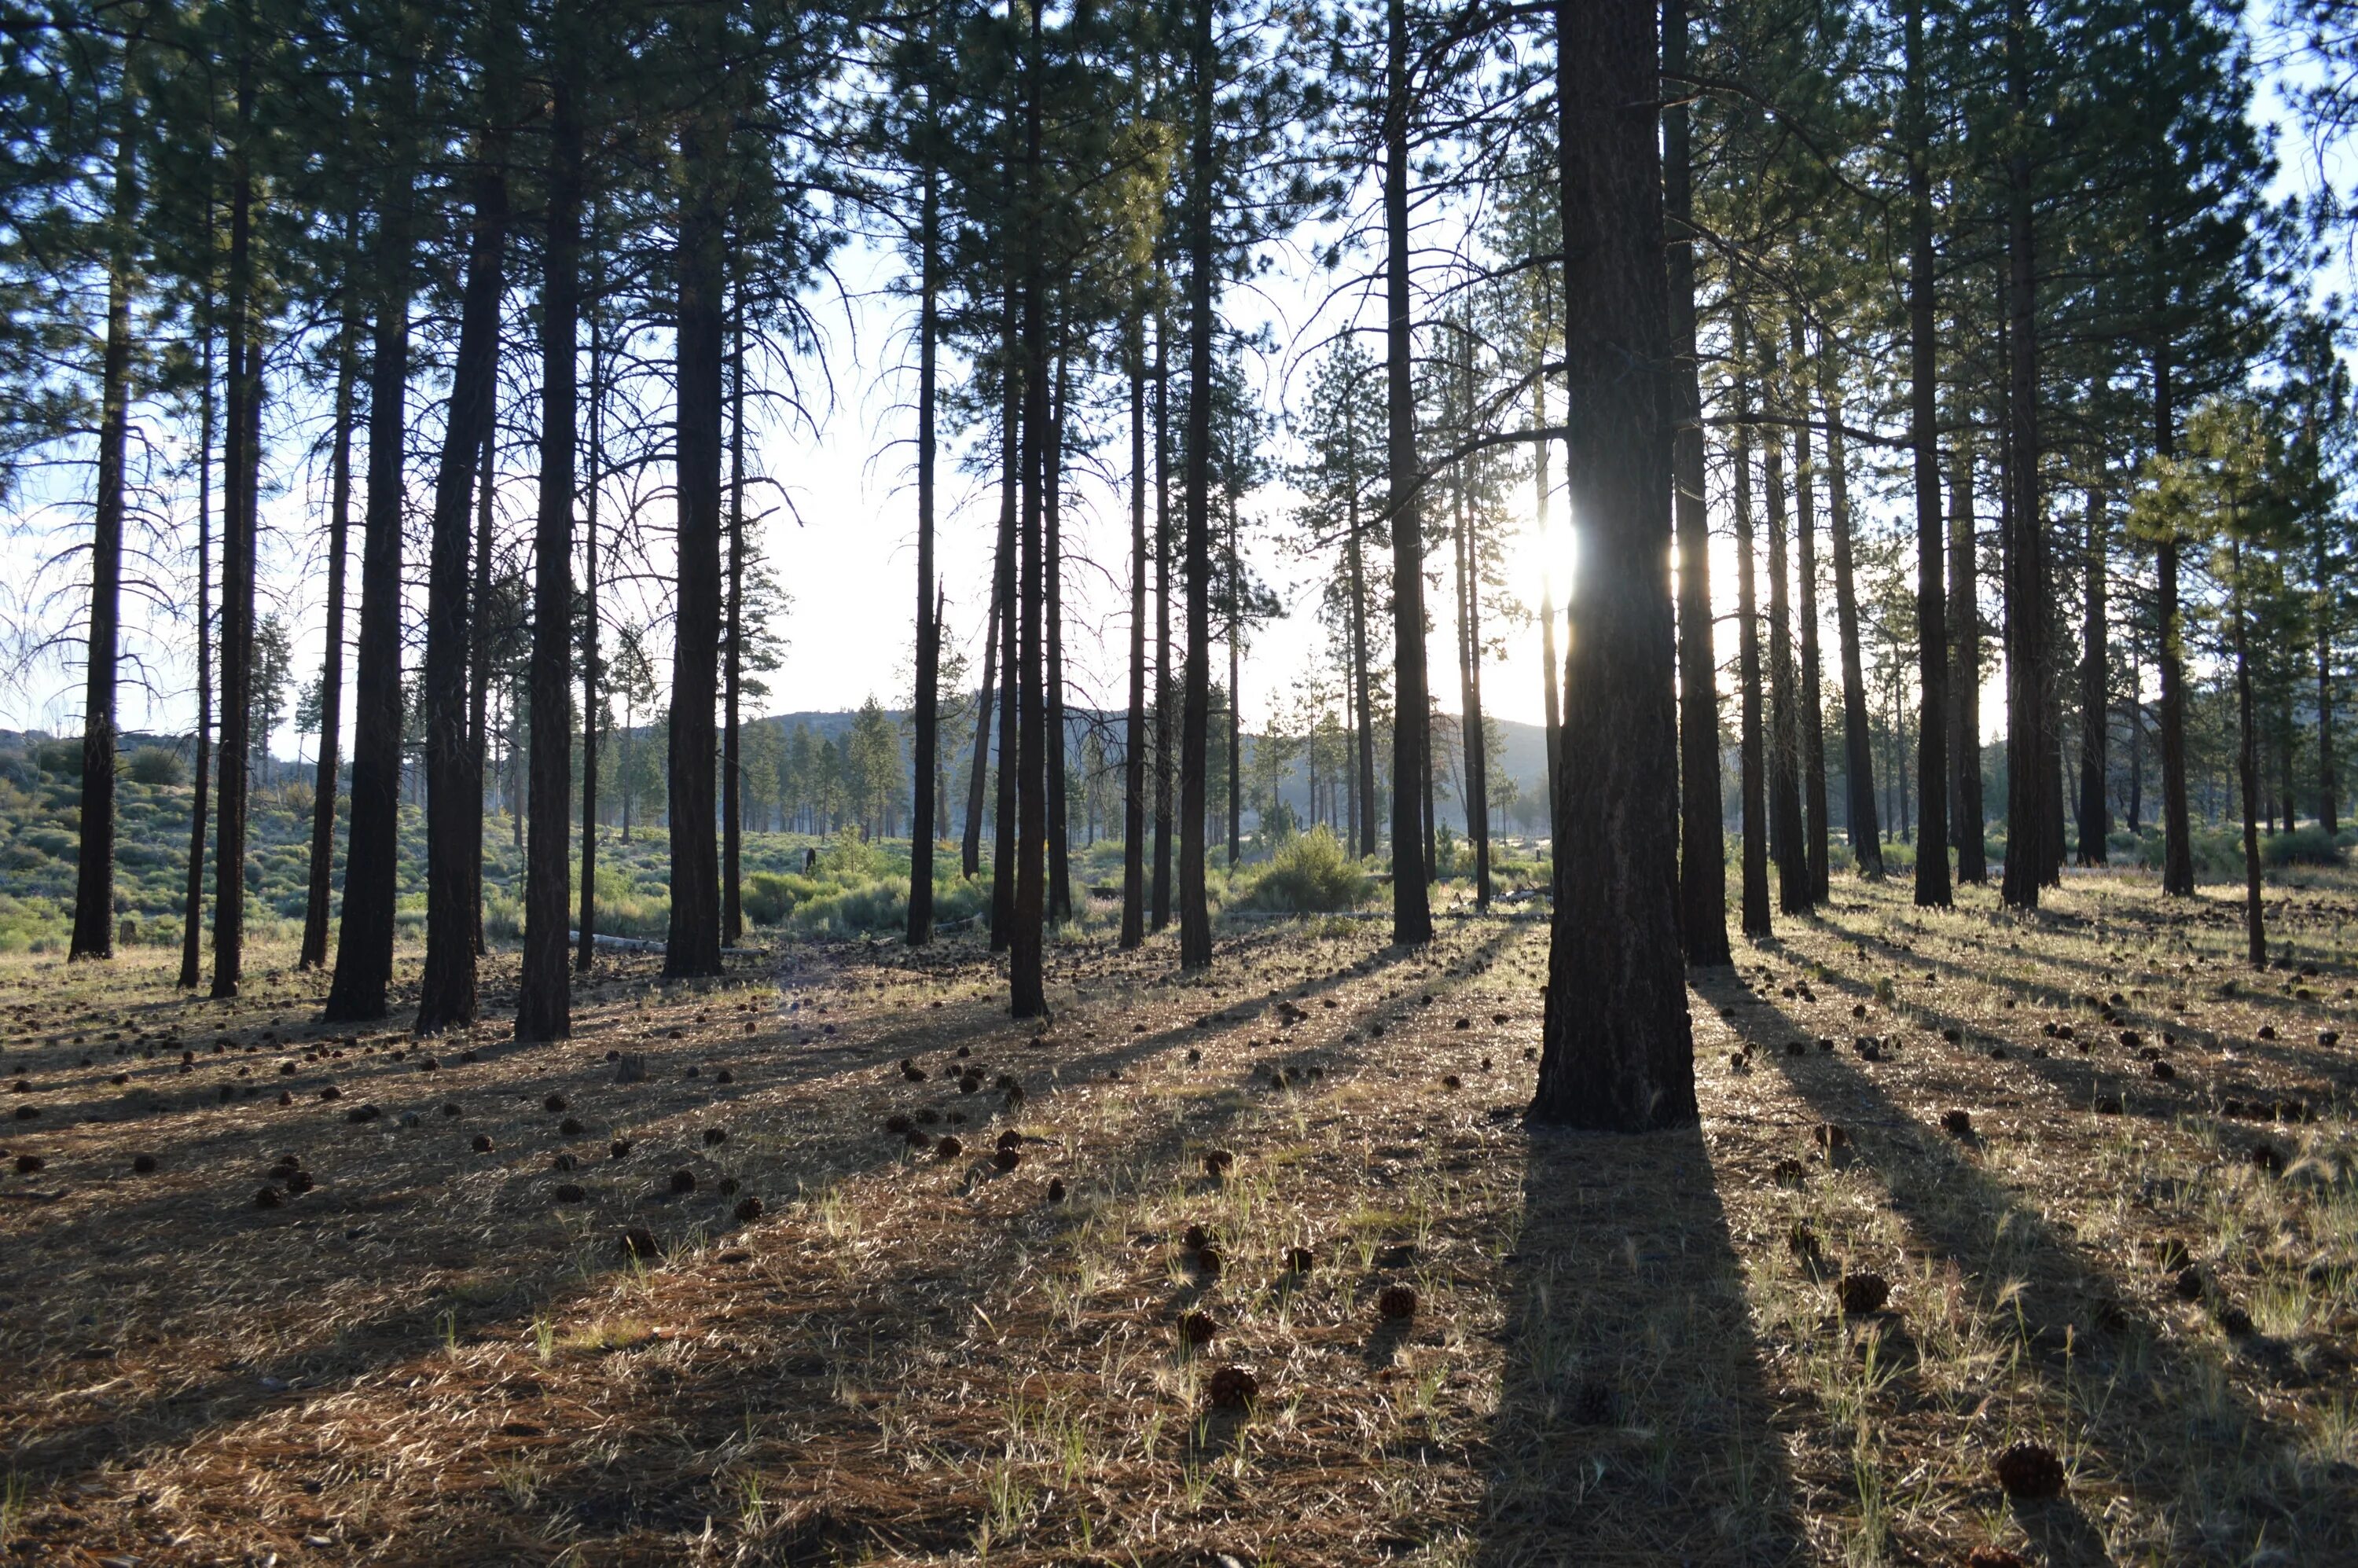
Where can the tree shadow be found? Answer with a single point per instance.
(1633, 1418)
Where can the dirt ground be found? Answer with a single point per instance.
(742, 1272)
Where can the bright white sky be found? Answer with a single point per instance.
(847, 556)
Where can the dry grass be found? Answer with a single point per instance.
(1623, 1350)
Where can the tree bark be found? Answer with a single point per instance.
(1060, 838)
(1703, 839)
(1166, 690)
(1811, 713)
(193, 896)
(319, 889)
(1133, 757)
(2247, 768)
(364, 971)
(1010, 686)
(1026, 987)
(732, 677)
(1858, 745)
(1194, 718)
(1363, 737)
(585, 953)
(1752, 787)
(1236, 683)
(1411, 773)
(544, 997)
(1932, 885)
(93, 918)
(693, 946)
(1617, 1050)
(2033, 785)
(978, 773)
(926, 763)
(2328, 786)
(1787, 836)
(454, 777)
(1966, 816)
(241, 458)
(2096, 704)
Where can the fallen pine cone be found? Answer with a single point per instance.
(715, 1136)
(1957, 1123)
(1007, 1158)
(1197, 1328)
(949, 1148)
(683, 1182)
(1863, 1292)
(1056, 1189)
(569, 1193)
(1300, 1259)
(1232, 1387)
(482, 1142)
(747, 1210)
(2030, 1470)
(639, 1242)
(1397, 1304)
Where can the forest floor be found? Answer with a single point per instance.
(764, 1326)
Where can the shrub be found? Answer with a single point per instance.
(848, 856)
(2311, 846)
(156, 766)
(1310, 874)
(61, 759)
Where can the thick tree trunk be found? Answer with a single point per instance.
(1965, 815)
(1194, 718)
(1932, 885)
(1617, 1050)
(544, 997)
(240, 459)
(94, 917)
(365, 932)
(1134, 757)
(1469, 690)
(454, 777)
(1858, 745)
(2096, 705)
(925, 764)
(1752, 788)
(1787, 836)
(1236, 686)
(585, 953)
(1412, 771)
(319, 889)
(479, 672)
(2033, 785)
(2328, 786)
(193, 896)
(693, 946)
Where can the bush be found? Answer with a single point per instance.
(848, 856)
(2311, 846)
(1310, 874)
(156, 766)
(61, 759)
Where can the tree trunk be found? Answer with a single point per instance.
(2032, 796)
(925, 764)
(319, 891)
(693, 946)
(93, 918)
(1011, 461)
(585, 954)
(2328, 787)
(1026, 984)
(1932, 887)
(1751, 742)
(1617, 1050)
(1811, 713)
(544, 997)
(978, 773)
(1469, 688)
(454, 761)
(2247, 765)
(479, 671)
(732, 677)
(365, 932)
(1133, 757)
(1411, 775)
(1858, 747)
(1194, 721)
(1236, 684)
(2095, 679)
(1788, 838)
(1060, 837)
(193, 897)
(240, 459)
(1966, 816)
(1166, 690)
(1703, 873)
(1363, 737)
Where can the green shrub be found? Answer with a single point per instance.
(1310, 874)
(61, 759)
(849, 857)
(2311, 846)
(155, 765)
